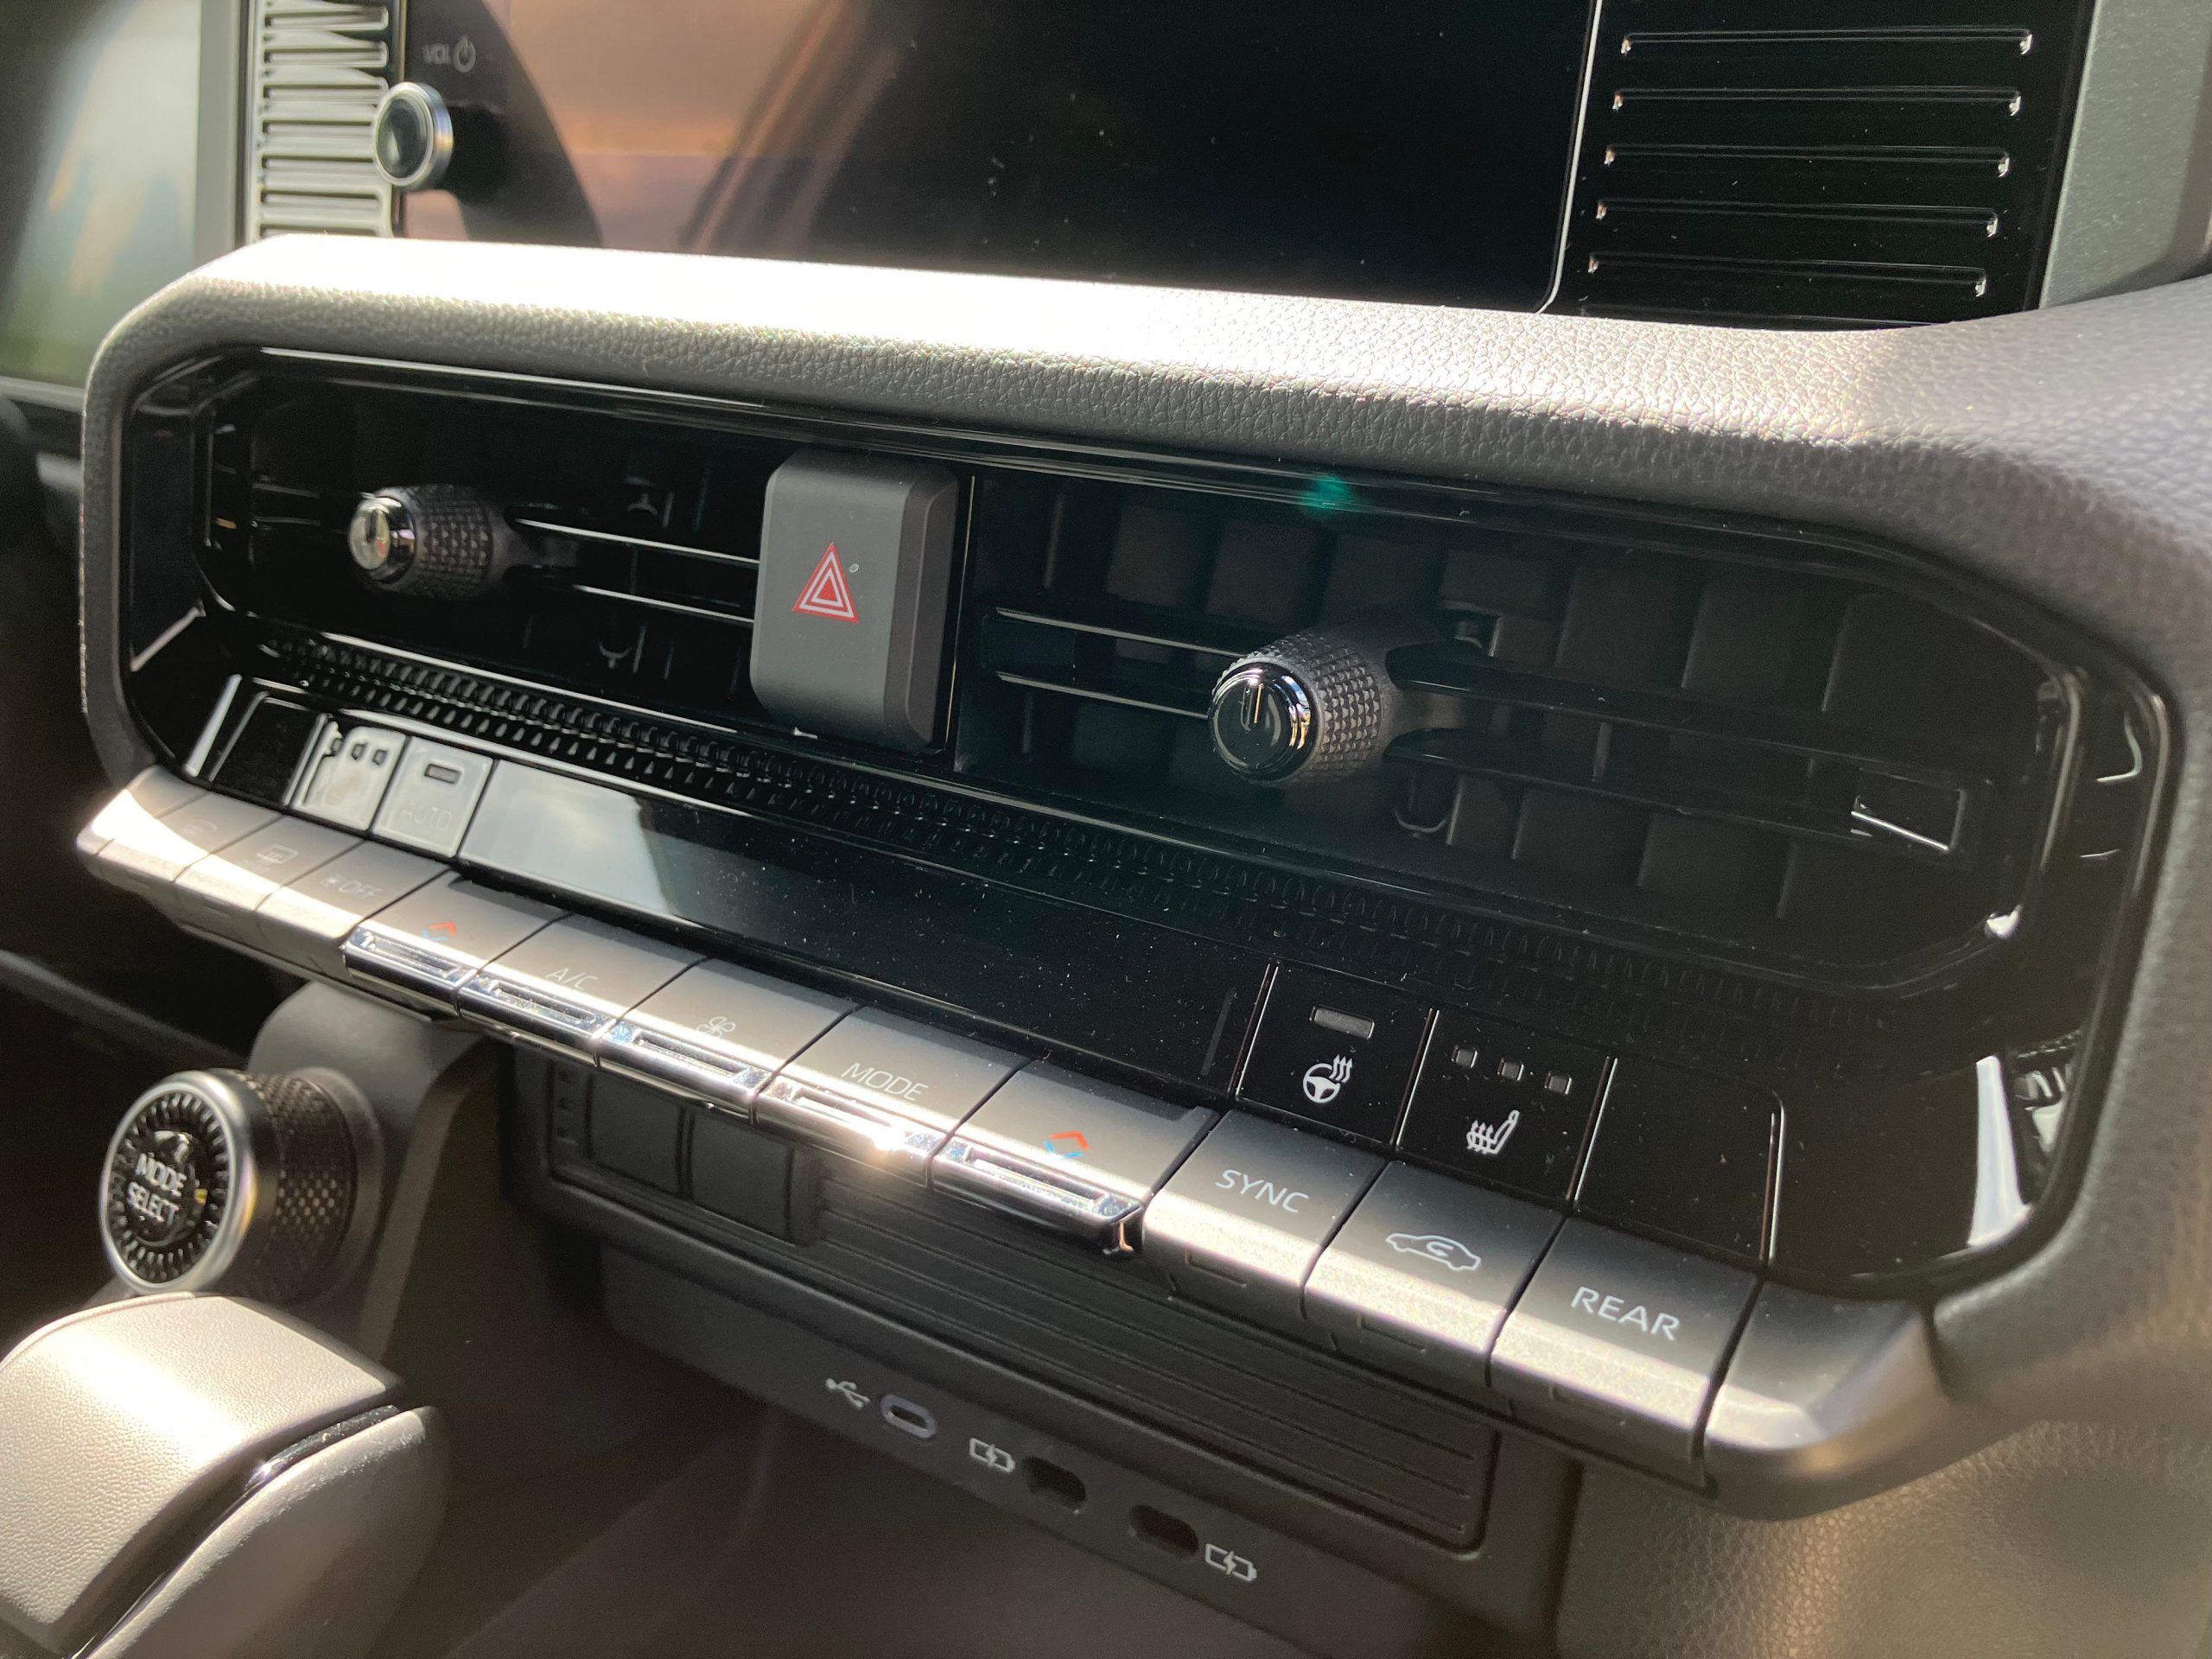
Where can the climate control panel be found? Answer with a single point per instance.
(1311, 1203)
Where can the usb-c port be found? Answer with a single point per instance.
(909, 1418)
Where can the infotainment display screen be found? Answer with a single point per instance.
(1403, 150)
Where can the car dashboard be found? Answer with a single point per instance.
(1393, 814)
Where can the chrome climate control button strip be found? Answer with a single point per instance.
(1616, 1344)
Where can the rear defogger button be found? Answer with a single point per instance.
(1620, 1343)
(1243, 1220)
(883, 1089)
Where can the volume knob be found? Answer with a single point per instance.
(431, 541)
(221, 1178)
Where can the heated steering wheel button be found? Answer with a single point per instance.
(1621, 1342)
(1424, 1272)
(1503, 1104)
(1334, 1052)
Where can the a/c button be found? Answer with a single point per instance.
(1620, 1343)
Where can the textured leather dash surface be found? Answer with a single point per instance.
(2067, 453)
(2069, 1539)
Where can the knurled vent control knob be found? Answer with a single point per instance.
(223, 1179)
(431, 541)
(1315, 707)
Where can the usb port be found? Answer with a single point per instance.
(909, 1418)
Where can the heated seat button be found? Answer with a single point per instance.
(347, 771)
(1621, 1342)
(883, 1089)
(1335, 1052)
(1423, 1274)
(439, 938)
(1683, 1154)
(1080, 1156)
(1503, 1103)
(719, 1032)
(1242, 1222)
(566, 983)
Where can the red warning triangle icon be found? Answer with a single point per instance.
(825, 593)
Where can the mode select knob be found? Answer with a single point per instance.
(222, 1180)
(431, 541)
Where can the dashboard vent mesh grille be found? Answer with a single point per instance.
(320, 67)
(1821, 163)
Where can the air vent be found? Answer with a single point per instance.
(1820, 164)
(319, 68)
(1751, 743)
(1801, 762)
(643, 548)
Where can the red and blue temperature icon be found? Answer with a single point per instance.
(1068, 1143)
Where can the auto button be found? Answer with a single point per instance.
(883, 1089)
(1624, 1337)
(1078, 1155)
(1424, 1272)
(1244, 1219)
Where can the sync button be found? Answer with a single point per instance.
(1243, 1220)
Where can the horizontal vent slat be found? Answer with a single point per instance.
(1455, 671)
(1126, 691)
(1534, 765)
(1978, 161)
(1140, 625)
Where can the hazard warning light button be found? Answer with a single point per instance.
(848, 628)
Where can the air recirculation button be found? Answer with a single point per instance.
(221, 1179)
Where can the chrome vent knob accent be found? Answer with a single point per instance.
(1316, 707)
(412, 137)
(431, 541)
(222, 1180)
